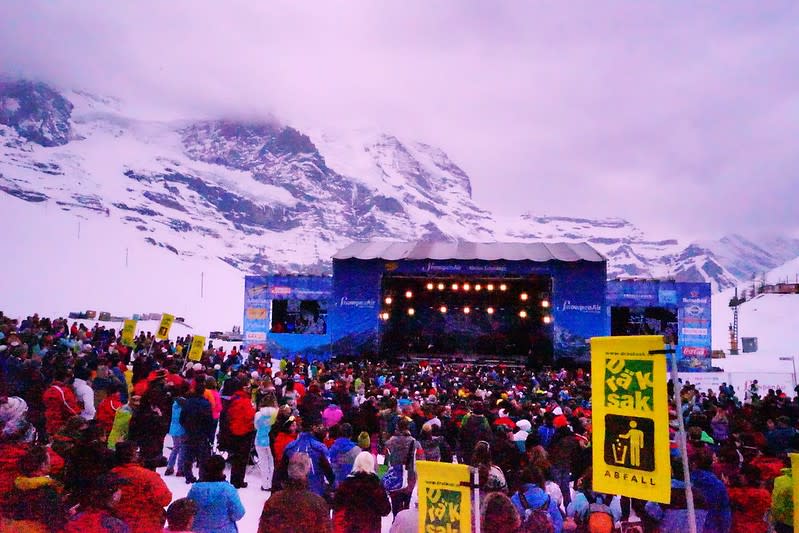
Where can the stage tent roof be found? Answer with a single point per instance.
(538, 252)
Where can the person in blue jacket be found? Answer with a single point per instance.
(310, 442)
(719, 515)
(532, 487)
(343, 453)
(218, 503)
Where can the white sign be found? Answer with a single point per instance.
(705, 380)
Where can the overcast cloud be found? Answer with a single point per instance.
(680, 116)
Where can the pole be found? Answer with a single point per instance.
(476, 500)
(202, 284)
(689, 493)
(126, 258)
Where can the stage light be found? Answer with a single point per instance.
(478, 287)
(490, 287)
(467, 310)
(547, 319)
(441, 286)
(503, 287)
(490, 310)
(545, 304)
(523, 296)
(411, 311)
(384, 316)
(443, 308)
(466, 286)
(429, 286)
(389, 300)
(523, 313)
(408, 294)
(454, 286)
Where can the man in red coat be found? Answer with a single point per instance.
(240, 417)
(143, 499)
(59, 403)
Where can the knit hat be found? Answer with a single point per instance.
(364, 442)
(524, 425)
(560, 421)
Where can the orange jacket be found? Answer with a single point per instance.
(143, 501)
(59, 406)
(241, 414)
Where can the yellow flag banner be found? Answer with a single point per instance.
(445, 504)
(197, 347)
(630, 417)
(163, 329)
(128, 332)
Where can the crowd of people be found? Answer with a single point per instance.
(85, 422)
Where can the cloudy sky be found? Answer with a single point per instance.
(680, 116)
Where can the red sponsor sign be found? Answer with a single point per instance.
(695, 351)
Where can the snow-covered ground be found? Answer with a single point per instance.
(70, 263)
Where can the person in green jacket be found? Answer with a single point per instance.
(119, 431)
(782, 502)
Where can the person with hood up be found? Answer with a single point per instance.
(532, 490)
(719, 516)
(144, 496)
(343, 453)
(218, 504)
(360, 501)
(295, 508)
(782, 500)
(264, 419)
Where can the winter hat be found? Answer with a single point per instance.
(524, 425)
(12, 411)
(364, 442)
(197, 367)
(502, 413)
(560, 421)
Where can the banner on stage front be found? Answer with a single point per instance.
(445, 503)
(197, 347)
(128, 332)
(163, 329)
(630, 417)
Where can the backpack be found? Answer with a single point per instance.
(536, 520)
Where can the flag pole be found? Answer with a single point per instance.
(689, 493)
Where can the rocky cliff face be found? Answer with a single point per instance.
(267, 197)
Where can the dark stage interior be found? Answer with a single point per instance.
(505, 317)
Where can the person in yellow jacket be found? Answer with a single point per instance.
(782, 502)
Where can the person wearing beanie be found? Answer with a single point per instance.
(218, 504)
(364, 442)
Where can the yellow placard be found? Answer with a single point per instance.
(197, 347)
(163, 329)
(795, 493)
(128, 332)
(445, 503)
(630, 417)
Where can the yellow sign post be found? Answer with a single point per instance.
(197, 347)
(795, 493)
(630, 417)
(445, 504)
(163, 329)
(128, 332)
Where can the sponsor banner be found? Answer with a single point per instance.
(630, 418)
(165, 326)
(445, 503)
(667, 297)
(695, 351)
(197, 347)
(695, 332)
(742, 383)
(705, 380)
(128, 332)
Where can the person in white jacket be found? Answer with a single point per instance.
(84, 393)
(265, 417)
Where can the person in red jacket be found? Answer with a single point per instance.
(108, 408)
(750, 502)
(98, 514)
(144, 497)
(240, 417)
(59, 403)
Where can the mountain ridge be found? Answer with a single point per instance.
(263, 197)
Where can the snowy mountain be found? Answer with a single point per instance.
(265, 197)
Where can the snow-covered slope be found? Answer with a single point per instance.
(772, 318)
(264, 197)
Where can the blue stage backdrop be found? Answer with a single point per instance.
(288, 315)
(680, 311)
(577, 273)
